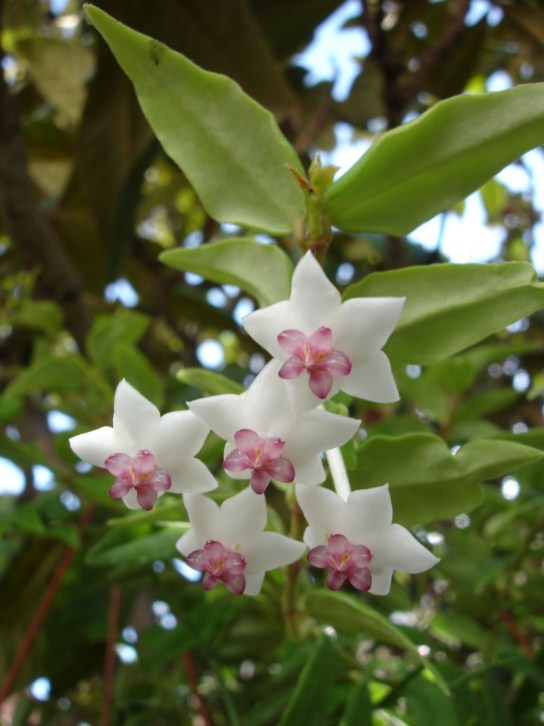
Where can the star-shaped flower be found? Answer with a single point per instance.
(229, 545)
(269, 436)
(148, 454)
(327, 344)
(355, 539)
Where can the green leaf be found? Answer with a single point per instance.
(426, 481)
(425, 703)
(124, 326)
(121, 547)
(461, 627)
(358, 710)
(70, 373)
(59, 69)
(350, 615)
(131, 364)
(420, 169)
(210, 383)
(263, 271)
(229, 147)
(449, 307)
(309, 700)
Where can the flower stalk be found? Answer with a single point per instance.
(338, 472)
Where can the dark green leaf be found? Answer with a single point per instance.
(309, 700)
(358, 710)
(426, 481)
(351, 615)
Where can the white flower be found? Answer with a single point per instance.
(148, 454)
(229, 545)
(269, 436)
(355, 538)
(337, 345)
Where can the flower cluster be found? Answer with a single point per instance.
(276, 430)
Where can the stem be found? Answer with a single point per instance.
(192, 677)
(338, 473)
(41, 612)
(296, 529)
(109, 659)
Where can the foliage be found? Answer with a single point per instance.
(89, 197)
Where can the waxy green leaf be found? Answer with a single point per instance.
(420, 169)
(263, 271)
(229, 147)
(450, 307)
(427, 482)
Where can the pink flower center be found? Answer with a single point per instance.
(138, 472)
(344, 560)
(219, 565)
(316, 355)
(262, 456)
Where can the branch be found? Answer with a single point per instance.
(36, 241)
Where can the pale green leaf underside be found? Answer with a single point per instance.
(263, 271)
(229, 147)
(426, 481)
(450, 307)
(422, 168)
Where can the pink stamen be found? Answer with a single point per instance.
(262, 456)
(316, 355)
(138, 472)
(219, 565)
(344, 560)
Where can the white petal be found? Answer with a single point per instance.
(130, 500)
(325, 512)
(381, 581)
(318, 431)
(310, 472)
(220, 413)
(187, 543)
(369, 514)
(204, 516)
(267, 405)
(134, 416)
(401, 551)
(371, 379)
(265, 325)
(96, 446)
(272, 550)
(179, 433)
(191, 476)
(254, 583)
(243, 516)
(314, 299)
(365, 323)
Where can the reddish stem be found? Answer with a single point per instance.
(109, 659)
(192, 677)
(40, 614)
(517, 634)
